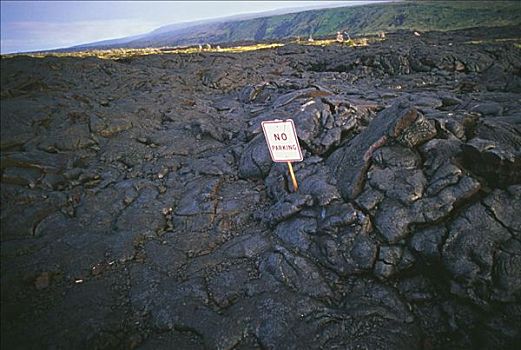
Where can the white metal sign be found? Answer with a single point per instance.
(282, 140)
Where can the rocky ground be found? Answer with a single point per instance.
(140, 208)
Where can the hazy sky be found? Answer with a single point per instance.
(43, 25)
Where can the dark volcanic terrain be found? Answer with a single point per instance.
(140, 208)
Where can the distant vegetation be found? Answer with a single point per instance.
(356, 20)
(120, 53)
(370, 19)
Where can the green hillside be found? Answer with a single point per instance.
(356, 20)
(422, 16)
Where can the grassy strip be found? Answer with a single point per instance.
(328, 42)
(516, 41)
(124, 53)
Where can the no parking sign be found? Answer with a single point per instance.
(281, 137)
(282, 140)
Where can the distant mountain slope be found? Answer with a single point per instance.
(366, 19)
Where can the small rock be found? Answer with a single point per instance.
(488, 108)
(42, 281)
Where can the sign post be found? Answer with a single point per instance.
(282, 141)
(293, 178)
